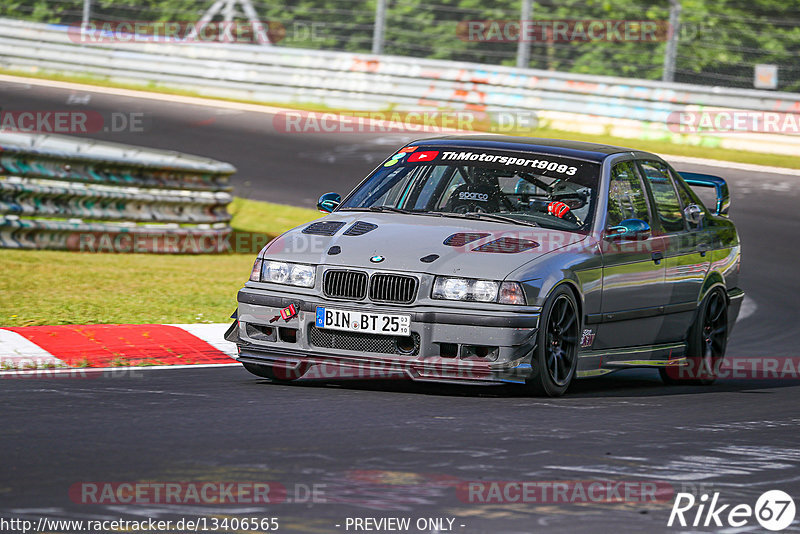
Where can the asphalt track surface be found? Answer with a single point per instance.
(397, 449)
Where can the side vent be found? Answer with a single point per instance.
(461, 239)
(507, 245)
(323, 228)
(360, 228)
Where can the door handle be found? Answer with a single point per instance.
(657, 257)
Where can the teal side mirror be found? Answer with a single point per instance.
(329, 202)
(719, 185)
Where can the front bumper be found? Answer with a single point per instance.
(294, 348)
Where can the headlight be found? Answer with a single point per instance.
(301, 275)
(294, 274)
(484, 290)
(449, 288)
(276, 272)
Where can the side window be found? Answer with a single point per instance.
(626, 198)
(668, 206)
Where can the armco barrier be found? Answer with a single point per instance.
(591, 104)
(66, 193)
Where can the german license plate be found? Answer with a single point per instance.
(369, 323)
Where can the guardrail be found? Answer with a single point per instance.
(65, 193)
(591, 104)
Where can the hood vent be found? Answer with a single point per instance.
(323, 228)
(360, 228)
(507, 245)
(461, 239)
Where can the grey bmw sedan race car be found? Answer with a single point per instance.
(489, 259)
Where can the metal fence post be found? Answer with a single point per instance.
(523, 45)
(380, 26)
(228, 10)
(87, 13)
(668, 73)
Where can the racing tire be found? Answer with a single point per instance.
(555, 357)
(705, 344)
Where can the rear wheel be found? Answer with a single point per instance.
(267, 371)
(705, 345)
(555, 357)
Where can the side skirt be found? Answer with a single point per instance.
(599, 362)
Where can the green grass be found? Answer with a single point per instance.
(268, 218)
(55, 287)
(649, 145)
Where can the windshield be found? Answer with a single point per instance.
(504, 186)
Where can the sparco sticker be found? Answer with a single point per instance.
(467, 195)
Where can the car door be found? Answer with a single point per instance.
(686, 258)
(633, 272)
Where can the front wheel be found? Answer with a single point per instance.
(705, 345)
(555, 357)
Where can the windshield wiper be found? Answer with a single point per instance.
(468, 215)
(379, 209)
(389, 208)
(498, 218)
(487, 216)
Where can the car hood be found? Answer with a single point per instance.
(403, 240)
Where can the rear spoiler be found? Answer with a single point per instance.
(719, 185)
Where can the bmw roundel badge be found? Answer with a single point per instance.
(377, 259)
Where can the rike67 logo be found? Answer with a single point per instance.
(774, 510)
